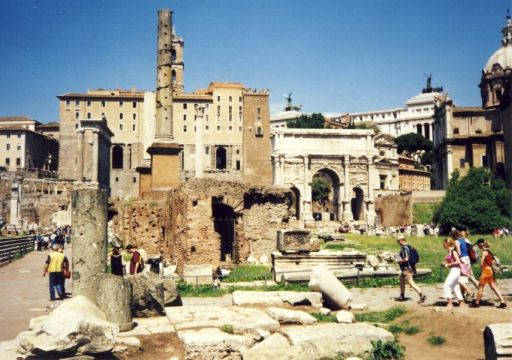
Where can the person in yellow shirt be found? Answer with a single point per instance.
(54, 268)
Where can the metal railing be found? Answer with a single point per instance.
(13, 248)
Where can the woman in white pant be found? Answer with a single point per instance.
(453, 263)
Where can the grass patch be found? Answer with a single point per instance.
(323, 318)
(435, 340)
(388, 350)
(186, 289)
(335, 246)
(404, 328)
(249, 273)
(227, 329)
(386, 316)
(422, 212)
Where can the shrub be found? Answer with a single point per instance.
(227, 329)
(436, 340)
(389, 350)
(324, 318)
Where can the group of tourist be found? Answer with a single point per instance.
(60, 236)
(458, 260)
(117, 266)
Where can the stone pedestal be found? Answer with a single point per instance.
(89, 223)
(497, 342)
(114, 298)
(165, 166)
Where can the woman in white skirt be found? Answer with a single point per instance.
(453, 263)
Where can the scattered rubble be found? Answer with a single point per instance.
(277, 298)
(148, 294)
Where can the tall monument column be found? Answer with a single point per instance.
(199, 141)
(165, 160)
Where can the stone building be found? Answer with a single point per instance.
(24, 149)
(411, 177)
(231, 143)
(349, 159)
(466, 137)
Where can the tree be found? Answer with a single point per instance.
(476, 202)
(313, 121)
(415, 146)
(320, 189)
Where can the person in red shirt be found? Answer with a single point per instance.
(136, 260)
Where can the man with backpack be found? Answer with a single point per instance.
(407, 261)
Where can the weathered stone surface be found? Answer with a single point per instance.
(324, 311)
(358, 306)
(285, 316)
(277, 298)
(212, 344)
(89, 222)
(198, 274)
(76, 326)
(8, 350)
(333, 339)
(344, 316)
(148, 295)
(277, 347)
(171, 294)
(335, 293)
(129, 341)
(243, 320)
(498, 341)
(114, 298)
(293, 240)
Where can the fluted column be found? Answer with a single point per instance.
(347, 205)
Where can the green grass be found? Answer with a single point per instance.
(192, 290)
(422, 212)
(249, 273)
(227, 329)
(386, 316)
(324, 318)
(435, 340)
(405, 328)
(335, 246)
(389, 350)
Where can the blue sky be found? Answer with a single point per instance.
(334, 55)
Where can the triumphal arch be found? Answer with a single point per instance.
(348, 158)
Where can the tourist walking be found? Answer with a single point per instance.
(451, 284)
(487, 275)
(464, 249)
(136, 262)
(116, 262)
(407, 271)
(54, 266)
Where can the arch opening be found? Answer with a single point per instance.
(325, 188)
(357, 203)
(117, 157)
(224, 218)
(220, 158)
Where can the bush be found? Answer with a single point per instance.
(436, 340)
(389, 350)
(475, 202)
(227, 329)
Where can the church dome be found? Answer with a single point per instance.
(503, 56)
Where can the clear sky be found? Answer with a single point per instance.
(334, 55)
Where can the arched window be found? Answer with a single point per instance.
(220, 158)
(173, 54)
(117, 157)
(173, 75)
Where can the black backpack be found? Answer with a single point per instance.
(414, 258)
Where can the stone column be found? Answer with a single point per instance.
(199, 166)
(89, 224)
(114, 298)
(163, 130)
(307, 213)
(15, 212)
(347, 204)
(95, 155)
(80, 156)
(370, 211)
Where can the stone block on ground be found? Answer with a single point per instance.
(293, 240)
(277, 346)
(77, 326)
(150, 326)
(212, 344)
(148, 295)
(277, 298)
(8, 350)
(243, 320)
(344, 316)
(114, 298)
(171, 294)
(337, 296)
(498, 341)
(285, 316)
(198, 274)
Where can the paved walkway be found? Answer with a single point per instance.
(24, 292)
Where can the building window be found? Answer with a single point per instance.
(8, 136)
(239, 129)
(88, 103)
(238, 164)
(207, 150)
(134, 180)
(207, 128)
(230, 99)
(239, 99)
(102, 116)
(230, 128)
(76, 126)
(18, 161)
(117, 157)
(134, 104)
(218, 98)
(134, 116)
(206, 117)
(117, 179)
(18, 147)
(8, 147)
(184, 117)
(382, 179)
(184, 128)
(455, 131)
(67, 104)
(230, 113)
(240, 113)
(121, 103)
(484, 161)
(77, 115)
(238, 151)
(258, 111)
(462, 163)
(77, 103)
(19, 135)
(121, 116)
(7, 161)
(218, 112)
(120, 126)
(89, 115)
(218, 128)
(134, 127)
(185, 106)
(220, 158)
(194, 129)
(103, 104)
